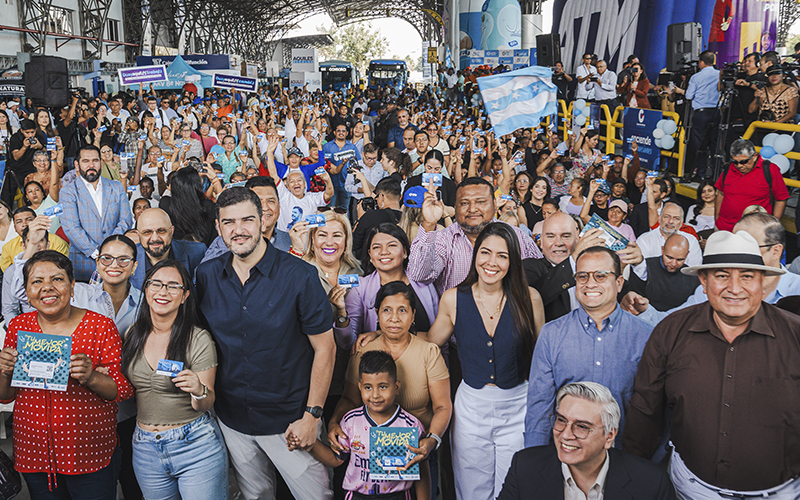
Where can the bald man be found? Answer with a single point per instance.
(156, 244)
(660, 279)
(771, 237)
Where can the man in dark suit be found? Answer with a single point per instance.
(552, 276)
(156, 244)
(583, 462)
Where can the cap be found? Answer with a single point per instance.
(294, 151)
(774, 70)
(619, 204)
(197, 100)
(414, 197)
(12, 103)
(619, 180)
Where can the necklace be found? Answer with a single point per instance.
(496, 310)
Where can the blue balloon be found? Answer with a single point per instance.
(767, 152)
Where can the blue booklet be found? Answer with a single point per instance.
(42, 362)
(612, 238)
(388, 453)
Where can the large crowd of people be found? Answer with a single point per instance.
(553, 322)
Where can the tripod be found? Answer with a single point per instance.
(726, 98)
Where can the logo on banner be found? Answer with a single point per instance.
(641, 116)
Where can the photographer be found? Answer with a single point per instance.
(385, 207)
(22, 145)
(704, 94)
(777, 102)
(362, 180)
(748, 81)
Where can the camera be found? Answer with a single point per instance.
(728, 74)
(32, 140)
(369, 204)
(351, 167)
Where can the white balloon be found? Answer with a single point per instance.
(580, 120)
(769, 140)
(586, 112)
(658, 144)
(658, 133)
(579, 104)
(783, 144)
(670, 127)
(781, 162)
(667, 142)
(660, 124)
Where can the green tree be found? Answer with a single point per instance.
(356, 43)
(790, 43)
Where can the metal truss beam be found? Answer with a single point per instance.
(33, 15)
(93, 17)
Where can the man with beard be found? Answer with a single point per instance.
(94, 209)
(156, 244)
(271, 321)
(444, 257)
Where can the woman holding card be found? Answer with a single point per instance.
(178, 451)
(64, 441)
(387, 248)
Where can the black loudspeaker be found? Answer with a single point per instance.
(684, 44)
(548, 49)
(47, 81)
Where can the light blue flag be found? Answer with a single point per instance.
(518, 98)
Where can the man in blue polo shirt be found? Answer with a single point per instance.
(272, 323)
(396, 134)
(704, 93)
(341, 198)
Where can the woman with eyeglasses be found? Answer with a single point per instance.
(48, 168)
(496, 318)
(178, 451)
(636, 88)
(777, 102)
(64, 441)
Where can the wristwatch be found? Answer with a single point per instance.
(315, 411)
(435, 438)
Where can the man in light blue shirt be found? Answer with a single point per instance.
(703, 91)
(341, 197)
(597, 342)
(771, 237)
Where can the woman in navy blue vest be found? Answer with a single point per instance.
(496, 317)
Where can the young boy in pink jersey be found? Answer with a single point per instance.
(377, 380)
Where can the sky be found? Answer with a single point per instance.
(402, 37)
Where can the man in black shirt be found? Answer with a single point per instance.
(68, 131)
(561, 80)
(387, 196)
(22, 145)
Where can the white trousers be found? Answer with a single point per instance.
(255, 458)
(486, 431)
(690, 487)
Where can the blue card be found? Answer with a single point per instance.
(161, 158)
(652, 173)
(169, 368)
(506, 197)
(315, 220)
(319, 171)
(428, 177)
(629, 156)
(54, 211)
(102, 129)
(348, 280)
(478, 151)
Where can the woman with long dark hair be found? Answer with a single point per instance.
(635, 88)
(191, 212)
(530, 212)
(496, 318)
(585, 153)
(701, 215)
(178, 451)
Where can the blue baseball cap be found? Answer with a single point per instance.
(294, 151)
(197, 100)
(414, 196)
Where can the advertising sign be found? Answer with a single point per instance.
(638, 125)
(244, 83)
(741, 27)
(142, 74)
(313, 80)
(197, 61)
(305, 60)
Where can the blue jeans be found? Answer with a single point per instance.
(98, 485)
(188, 462)
(341, 198)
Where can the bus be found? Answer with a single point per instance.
(387, 73)
(338, 75)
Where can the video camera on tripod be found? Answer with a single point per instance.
(729, 74)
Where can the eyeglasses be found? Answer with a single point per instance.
(155, 286)
(742, 162)
(579, 429)
(122, 260)
(336, 210)
(162, 231)
(600, 277)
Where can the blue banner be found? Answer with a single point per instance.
(235, 82)
(638, 125)
(142, 74)
(197, 61)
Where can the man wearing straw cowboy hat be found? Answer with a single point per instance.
(729, 371)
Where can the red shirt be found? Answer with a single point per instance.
(71, 432)
(742, 190)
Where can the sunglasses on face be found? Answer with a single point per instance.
(742, 162)
(336, 210)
